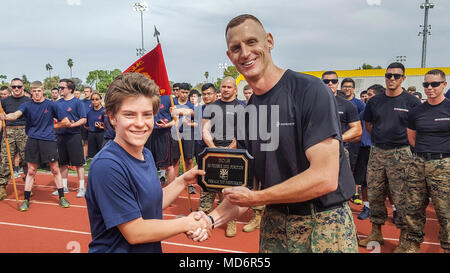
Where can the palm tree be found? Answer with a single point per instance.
(49, 69)
(70, 64)
(206, 75)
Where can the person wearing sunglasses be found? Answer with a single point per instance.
(15, 130)
(69, 140)
(386, 119)
(429, 175)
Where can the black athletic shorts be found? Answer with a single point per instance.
(84, 134)
(188, 149)
(361, 166)
(70, 149)
(160, 143)
(95, 143)
(41, 151)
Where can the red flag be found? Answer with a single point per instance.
(152, 65)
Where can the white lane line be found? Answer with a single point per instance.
(393, 239)
(88, 233)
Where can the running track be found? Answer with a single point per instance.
(48, 228)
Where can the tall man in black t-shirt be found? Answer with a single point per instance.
(301, 164)
(219, 125)
(429, 173)
(386, 119)
(15, 131)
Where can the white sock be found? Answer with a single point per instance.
(163, 173)
(366, 204)
(393, 207)
(64, 182)
(82, 184)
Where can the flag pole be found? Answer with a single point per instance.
(180, 146)
(8, 151)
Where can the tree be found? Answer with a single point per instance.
(51, 82)
(368, 66)
(231, 71)
(100, 79)
(70, 64)
(3, 78)
(49, 68)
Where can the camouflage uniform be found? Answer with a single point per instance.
(206, 201)
(386, 171)
(428, 178)
(328, 231)
(17, 140)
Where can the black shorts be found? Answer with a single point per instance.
(188, 149)
(160, 143)
(84, 134)
(361, 166)
(41, 151)
(95, 143)
(70, 149)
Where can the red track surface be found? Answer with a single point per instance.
(48, 228)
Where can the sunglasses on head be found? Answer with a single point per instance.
(433, 84)
(16, 86)
(396, 76)
(334, 81)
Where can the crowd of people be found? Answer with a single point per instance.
(333, 148)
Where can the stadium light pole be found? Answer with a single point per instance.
(426, 30)
(141, 7)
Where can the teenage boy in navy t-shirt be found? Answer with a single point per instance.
(69, 140)
(41, 144)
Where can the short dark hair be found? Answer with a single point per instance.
(247, 87)
(362, 93)
(418, 94)
(55, 88)
(70, 84)
(377, 89)
(207, 86)
(184, 86)
(397, 65)
(236, 21)
(329, 73)
(436, 72)
(194, 92)
(4, 87)
(348, 80)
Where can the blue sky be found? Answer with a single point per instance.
(309, 35)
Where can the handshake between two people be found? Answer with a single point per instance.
(236, 201)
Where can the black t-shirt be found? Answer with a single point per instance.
(347, 113)
(432, 126)
(307, 115)
(389, 117)
(10, 105)
(224, 128)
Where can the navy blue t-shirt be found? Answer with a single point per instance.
(75, 111)
(110, 133)
(94, 116)
(432, 126)
(121, 188)
(87, 105)
(39, 119)
(164, 112)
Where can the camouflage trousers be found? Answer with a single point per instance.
(17, 140)
(428, 179)
(321, 232)
(207, 201)
(386, 171)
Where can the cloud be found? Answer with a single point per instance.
(374, 2)
(73, 2)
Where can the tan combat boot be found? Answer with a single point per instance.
(254, 223)
(375, 235)
(3, 193)
(231, 229)
(401, 242)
